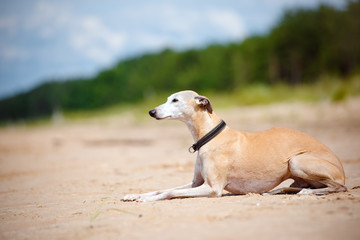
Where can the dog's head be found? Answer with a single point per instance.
(181, 106)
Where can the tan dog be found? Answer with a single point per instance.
(242, 162)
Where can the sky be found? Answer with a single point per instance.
(43, 40)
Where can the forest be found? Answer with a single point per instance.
(304, 45)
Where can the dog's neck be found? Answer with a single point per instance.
(201, 123)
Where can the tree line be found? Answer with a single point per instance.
(304, 45)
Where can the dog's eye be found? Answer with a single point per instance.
(175, 100)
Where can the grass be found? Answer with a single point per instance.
(98, 210)
(326, 89)
(101, 206)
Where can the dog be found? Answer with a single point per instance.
(242, 162)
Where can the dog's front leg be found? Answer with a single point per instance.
(136, 197)
(196, 182)
(201, 191)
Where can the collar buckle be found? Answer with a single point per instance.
(192, 149)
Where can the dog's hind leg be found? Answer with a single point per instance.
(298, 185)
(322, 176)
(285, 190)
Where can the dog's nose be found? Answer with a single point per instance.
(152, 112)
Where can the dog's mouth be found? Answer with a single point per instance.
(162, 118)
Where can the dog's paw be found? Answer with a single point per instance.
(147, 199)
(131, 197)
(306, 191)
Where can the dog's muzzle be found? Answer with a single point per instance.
(152, 113)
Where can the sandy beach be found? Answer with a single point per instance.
(65, 180)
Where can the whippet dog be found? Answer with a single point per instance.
(242, 162)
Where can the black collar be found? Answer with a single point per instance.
(210, 135)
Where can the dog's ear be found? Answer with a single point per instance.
(204, 102)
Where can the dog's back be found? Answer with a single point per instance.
(285, 143)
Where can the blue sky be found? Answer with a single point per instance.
(42, 40)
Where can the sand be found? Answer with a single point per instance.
(65, 180)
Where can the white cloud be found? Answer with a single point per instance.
(86, 34)
(48, 18)
(8, 23)
(166, 25)
(145, 27)
(95, 40)
(228, 22)
(10, 53)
